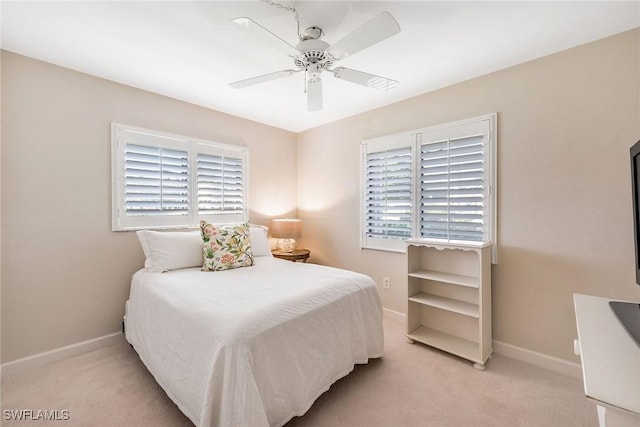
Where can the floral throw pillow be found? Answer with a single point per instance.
(225, 246)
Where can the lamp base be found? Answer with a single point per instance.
(286, 245)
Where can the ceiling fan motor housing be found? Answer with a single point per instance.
(312, 51)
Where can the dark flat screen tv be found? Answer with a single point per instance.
(629, 313)
(635, 187)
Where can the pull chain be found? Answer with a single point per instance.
(290, 9)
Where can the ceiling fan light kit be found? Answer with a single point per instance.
(313, 55)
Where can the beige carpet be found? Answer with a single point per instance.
(413, 385)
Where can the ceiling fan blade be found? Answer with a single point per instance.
(364, 79)
(380, 27)
(261, 79)
(314, 94)
(249, 26)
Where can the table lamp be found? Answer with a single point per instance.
(286, 230)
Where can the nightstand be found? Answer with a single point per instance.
(295, 255)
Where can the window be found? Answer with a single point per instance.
(156, 181)
(169, 181)
(455, 183)
(220, 185)
(387, 192)
(445, 191)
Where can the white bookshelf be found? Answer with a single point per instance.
(449, 297)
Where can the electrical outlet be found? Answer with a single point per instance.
(386, 284)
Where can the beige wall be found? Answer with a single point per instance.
(0, 206)
(65, 274)
(565, 125)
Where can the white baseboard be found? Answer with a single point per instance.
(41, 359)
(532, 357)
(539, 359)
(395, 313)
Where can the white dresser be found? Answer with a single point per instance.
(610, 362)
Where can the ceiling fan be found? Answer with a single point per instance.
(313, 55)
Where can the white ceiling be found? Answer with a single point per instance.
(187, 50)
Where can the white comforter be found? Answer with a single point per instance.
(253, 346)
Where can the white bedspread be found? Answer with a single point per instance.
(253, 346)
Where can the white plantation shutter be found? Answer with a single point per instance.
(220, 185)
(453, 189)
(156, 181)
(168, 181)
(387, 194)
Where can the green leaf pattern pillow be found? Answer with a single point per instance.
(225, 246)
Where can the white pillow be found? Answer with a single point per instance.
(166, 251)
(173, 250)
(259, 240)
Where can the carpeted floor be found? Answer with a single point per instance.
(412, 385)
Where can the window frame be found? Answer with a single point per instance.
(152, 138)
(489, 125)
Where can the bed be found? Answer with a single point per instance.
(252, 346)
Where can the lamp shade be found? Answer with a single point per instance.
(286, 228)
